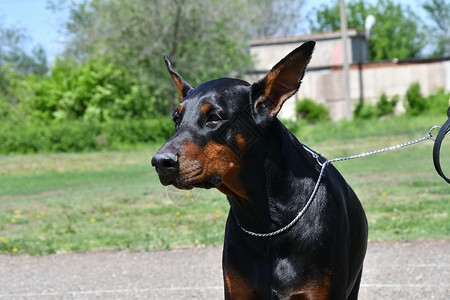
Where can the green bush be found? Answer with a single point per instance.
(438, 101)
(365, 111)
(72, 137)
(383, 107)
(76, 136)
(94, 91)
(134, 132)
(415, 102)
(311, 111)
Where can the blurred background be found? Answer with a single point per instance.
(85, 99)
(100, 61)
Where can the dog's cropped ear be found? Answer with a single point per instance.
(269, 93)
(183, 87)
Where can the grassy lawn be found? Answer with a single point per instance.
(113, 200)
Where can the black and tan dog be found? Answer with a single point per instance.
(228, 137)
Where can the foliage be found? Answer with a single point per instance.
(415, 102)
(111, 84)
(383, 107)
(439, 31)
(396, 33)
(112, 76)
(274, 17)
(75, 136)
(77, 107)
(437, 102)
(95, 91)
(15, 58)
(203, 39)
(311, 111)
(327, 18)
(365, 111)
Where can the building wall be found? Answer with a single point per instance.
(328, 51)
(324, 79)
(327, 86)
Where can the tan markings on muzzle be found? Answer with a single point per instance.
(215, 160)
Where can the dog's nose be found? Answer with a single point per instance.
(165, 163)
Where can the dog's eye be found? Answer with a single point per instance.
(176, 118)
(213, 118)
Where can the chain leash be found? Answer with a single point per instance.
(413, 142)
(323, 161)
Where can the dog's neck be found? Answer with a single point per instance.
(277, 180)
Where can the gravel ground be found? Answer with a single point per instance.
(393, 270)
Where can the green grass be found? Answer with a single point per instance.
(104, 200)
(402, 194)
(53, 203)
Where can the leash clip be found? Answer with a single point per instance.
(430, 133)
(319, 156)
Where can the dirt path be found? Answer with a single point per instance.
(393, 270)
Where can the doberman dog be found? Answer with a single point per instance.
(227, 136)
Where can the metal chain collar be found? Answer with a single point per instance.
(300, 214)
(323, 165)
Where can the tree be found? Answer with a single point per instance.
(396, 34)
(274, 17)
(13, 57)
(439, 30)
(203, 39)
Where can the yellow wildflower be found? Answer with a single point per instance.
(92, 220)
